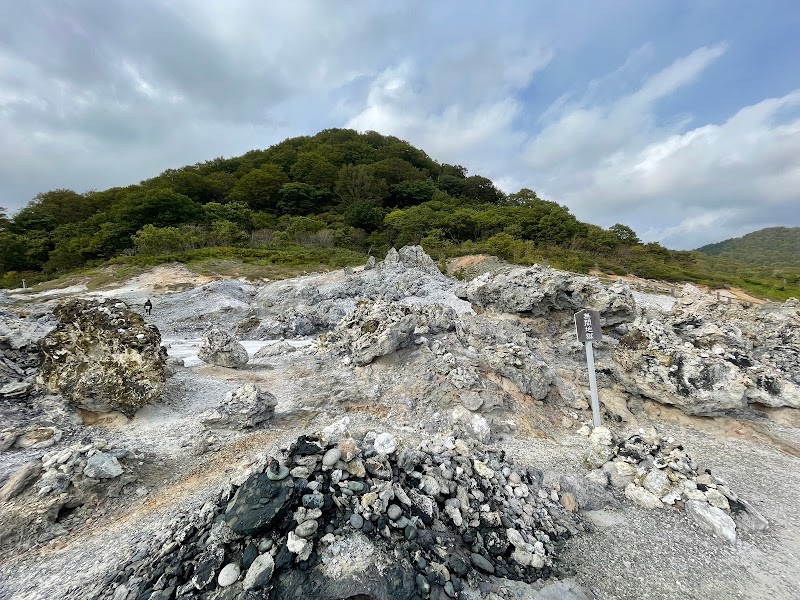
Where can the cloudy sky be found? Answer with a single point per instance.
(679, 118)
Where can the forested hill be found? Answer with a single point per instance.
(325, 200)
(773, 247)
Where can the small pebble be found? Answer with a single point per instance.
(357, 521)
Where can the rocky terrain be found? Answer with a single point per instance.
(391, 432)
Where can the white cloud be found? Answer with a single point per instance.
(454, 116)
(618, 162)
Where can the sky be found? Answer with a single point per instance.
(680, 119)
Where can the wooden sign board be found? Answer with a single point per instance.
(587, 325)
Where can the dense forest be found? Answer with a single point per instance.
(771, 247)
(333, 198)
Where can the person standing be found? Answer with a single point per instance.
(148, 306)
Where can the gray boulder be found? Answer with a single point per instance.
(20, 480)
(374, 329)
(102, 356)
(248, 406)
(218, 347)
(102, 466)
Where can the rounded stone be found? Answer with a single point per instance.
(278, 474)
(394, 512)
(348, 449)
(229, 574)
(331, 457)
(479, 562)
(357, 521)
(423, 584)
(313, 500)
(306, 529)
(411, 533)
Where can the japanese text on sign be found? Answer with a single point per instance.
(587, 325)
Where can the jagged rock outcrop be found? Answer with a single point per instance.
(102, 357)
(243, 408)
(706, 358)
(539, 290)
(218, 347)
(374, 329)
(505, 354)
(19, 352)
(314, 303)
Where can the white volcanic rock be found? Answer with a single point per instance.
(539, 290)
(712, 520)
(375, 329)
(247, 406)
(218, 347)
(654, 361)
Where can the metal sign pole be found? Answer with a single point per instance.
(593, 385)
(587, 327)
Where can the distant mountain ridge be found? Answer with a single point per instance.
(772, 247)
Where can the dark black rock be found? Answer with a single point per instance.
(395, 583)
(283, 558)
(248, 556)
(208, 563)
(306, 446)
(258, 504)
(458, 565)
(481, 563)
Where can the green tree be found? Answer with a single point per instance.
(260, 188)
(359, 183)
(395, 170)
(452, 185)
(314, 169)
(364, 215)
(159, 207)
(298, 199)
(409, 193)
(482, 190)
(226, 233)
(161, 240)
(625, 234)
(235, 212)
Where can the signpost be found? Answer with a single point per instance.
(587, 326)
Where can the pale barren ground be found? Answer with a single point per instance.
(629, 553)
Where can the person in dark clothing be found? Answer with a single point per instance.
(148, 306)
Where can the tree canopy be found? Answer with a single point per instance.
(360, 192)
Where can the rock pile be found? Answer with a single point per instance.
(48, 493)
(355, 519)
(379, 328)
(102, 357)
(316, 303)
(656, 472)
